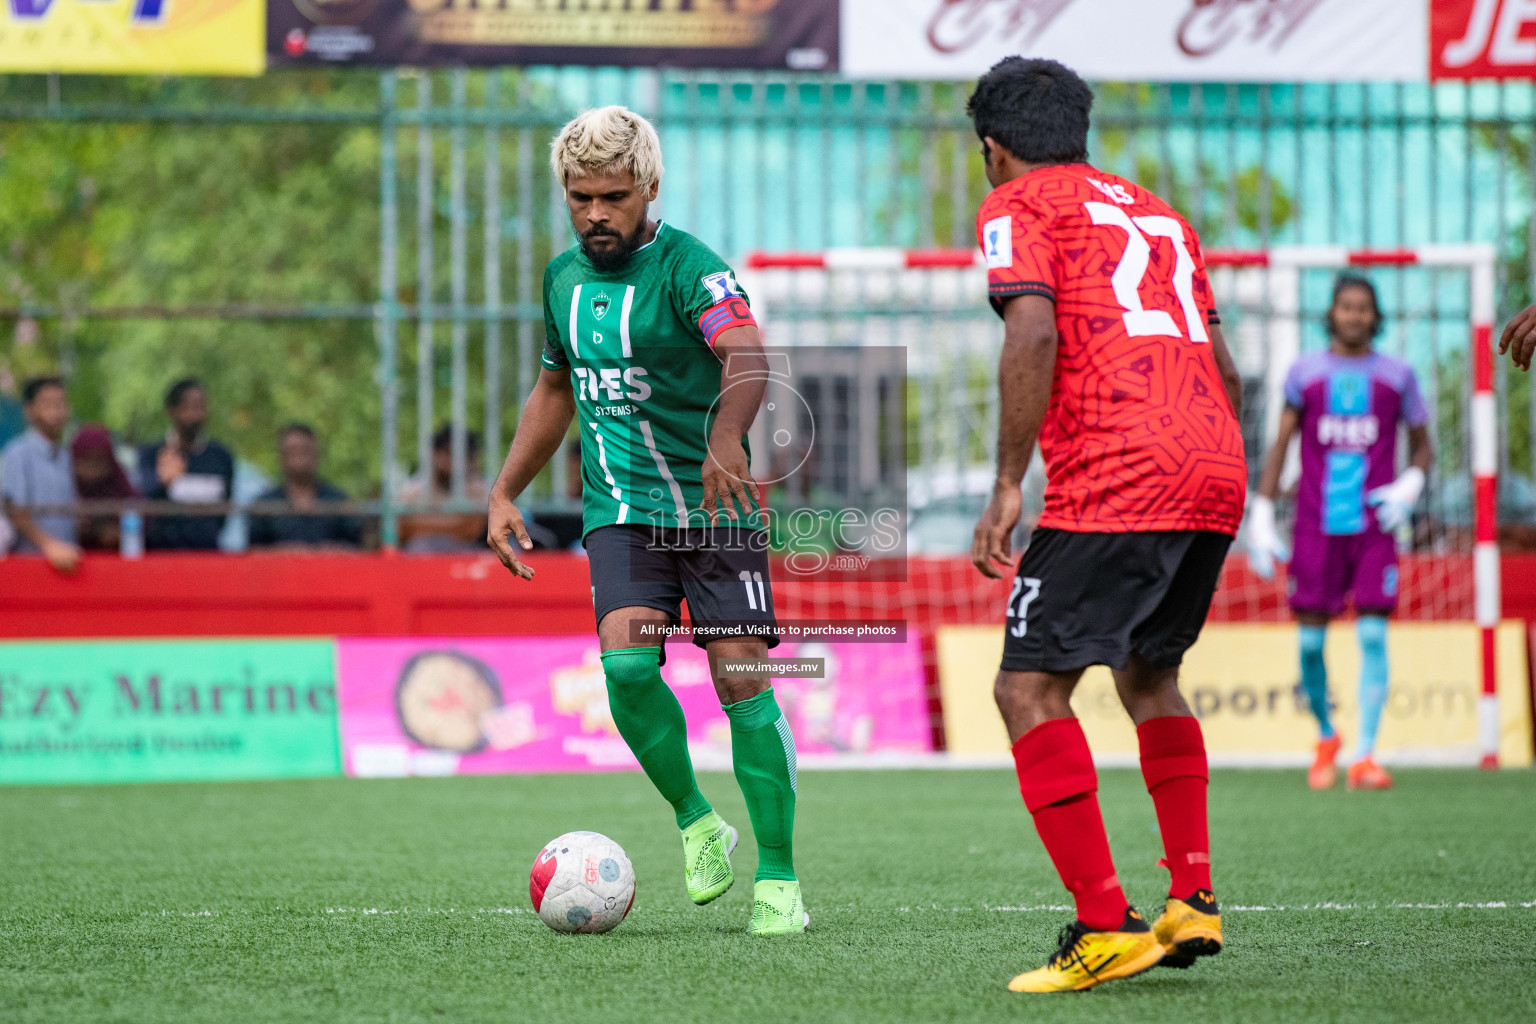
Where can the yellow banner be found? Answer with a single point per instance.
(182, 37)
(1241, 681)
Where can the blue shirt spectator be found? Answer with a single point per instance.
(37, 471)
(188, 468)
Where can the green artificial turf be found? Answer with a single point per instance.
(406, 900)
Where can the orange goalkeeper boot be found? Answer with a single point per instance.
(1367, 774)
(1324, 771)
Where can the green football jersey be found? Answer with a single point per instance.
(645, 377)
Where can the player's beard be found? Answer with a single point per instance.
(608, 260)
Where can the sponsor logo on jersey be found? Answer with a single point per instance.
(721, 286)
(611, 384)
(600, 303)
(1348, 431)
(1349, 393)
(997, 242)
(1115, 192)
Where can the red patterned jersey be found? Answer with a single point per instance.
(1139, 434)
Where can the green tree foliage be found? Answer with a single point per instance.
(1229, 203)
(206, 193)
(169, 214)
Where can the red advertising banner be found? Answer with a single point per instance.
(1482, 39)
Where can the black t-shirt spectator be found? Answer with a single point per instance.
(267, 531)
(210, 478)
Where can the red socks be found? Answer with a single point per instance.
(1173, 764)
(1060, 788)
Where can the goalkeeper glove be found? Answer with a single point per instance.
(1394, 502)
(1264, 544)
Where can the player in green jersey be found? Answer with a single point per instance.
(650, 344)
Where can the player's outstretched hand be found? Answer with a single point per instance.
(1264, 544)
(992, 545)
(1519, 338)
(1394, 502)
(506, 522)
(728, 482)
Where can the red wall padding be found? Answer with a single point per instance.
(331, 594)
(336, 594)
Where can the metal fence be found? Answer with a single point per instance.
(467, 213)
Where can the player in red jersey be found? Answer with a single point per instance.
(1113, 360)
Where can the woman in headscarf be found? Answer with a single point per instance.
(98, 477)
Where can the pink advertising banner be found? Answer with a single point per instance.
(482, 706)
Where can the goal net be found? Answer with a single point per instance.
(1438, 305)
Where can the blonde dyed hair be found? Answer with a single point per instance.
(608, 140)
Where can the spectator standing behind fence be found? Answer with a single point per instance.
(37, 471)
(298, 454)
(99, 477)
(435, 529)
(188, 468)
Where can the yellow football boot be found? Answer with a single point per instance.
(1088, 958)
(1188, 929)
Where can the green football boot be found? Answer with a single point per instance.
(777, 908)
(707, 846)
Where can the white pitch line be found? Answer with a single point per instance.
(1022, 908)
(430, 910)
(1057, 908)
(1324, 905)
(899, 760)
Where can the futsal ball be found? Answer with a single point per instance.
(582, 882)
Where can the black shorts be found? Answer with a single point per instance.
(721, 571)
(1083, 599)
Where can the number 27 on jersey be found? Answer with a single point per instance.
(1132, 269)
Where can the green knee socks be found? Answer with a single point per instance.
(764, 754)
(651, 721)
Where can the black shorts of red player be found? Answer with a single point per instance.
(1083, 599)
(722, 572)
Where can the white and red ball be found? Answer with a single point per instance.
(582, 882)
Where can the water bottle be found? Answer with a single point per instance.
(130, 541)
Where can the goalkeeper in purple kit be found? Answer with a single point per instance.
(1345, 405)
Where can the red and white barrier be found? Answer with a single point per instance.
(865, 258)
(1477, 259)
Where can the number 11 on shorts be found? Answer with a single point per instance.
(1018, 603)
(749, 578)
